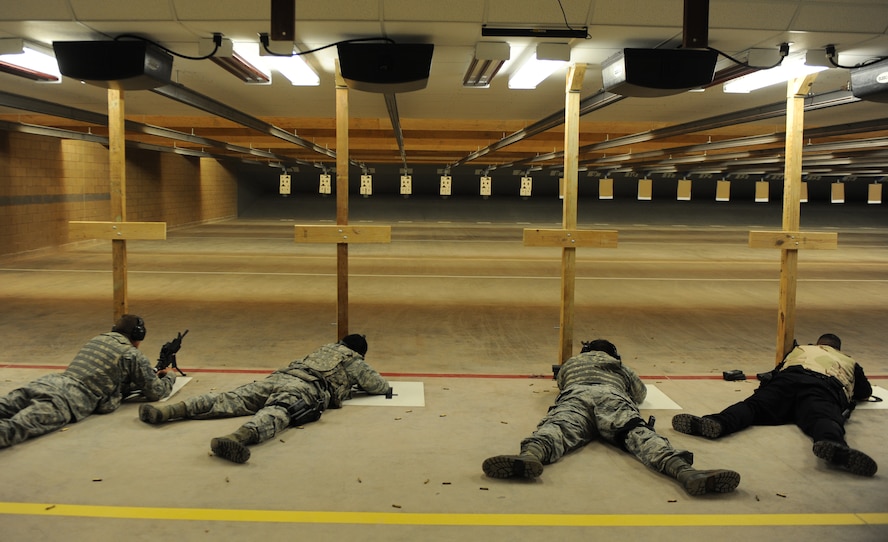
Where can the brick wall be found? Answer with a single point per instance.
(46, 182)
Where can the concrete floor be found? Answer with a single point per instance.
(458, 303)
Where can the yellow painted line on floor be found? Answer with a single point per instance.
(406, 518)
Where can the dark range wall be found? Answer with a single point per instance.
(262, 181)
(259, 197)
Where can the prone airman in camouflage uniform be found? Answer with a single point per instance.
(293, 395)
(103, 372)
(599, 398)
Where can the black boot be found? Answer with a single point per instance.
(840, 455)
(233, 447)
(695, 425)
(699, 482)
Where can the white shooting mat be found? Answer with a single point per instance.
(178, 385)
(878, 392)
(404, 394)
(657, 400)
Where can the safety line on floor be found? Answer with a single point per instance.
(414, 375)
(407, 518)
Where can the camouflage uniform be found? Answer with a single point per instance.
(322, 379)
(599, 397)
(105, 370)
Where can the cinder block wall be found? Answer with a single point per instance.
(46, 182)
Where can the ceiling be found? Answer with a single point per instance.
(446, 124)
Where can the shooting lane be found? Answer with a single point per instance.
(466, 316)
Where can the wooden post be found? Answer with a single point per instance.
(790, 240)
(341, 203)
(342, 234)
(569, 238)
(117, 168)
(574, 85)
(118, 230)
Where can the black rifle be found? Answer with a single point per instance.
(168, 354)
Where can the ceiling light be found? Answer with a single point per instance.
(791, 68)
(29, 60)
(235, 62)
(289, 64)
(547, 58)
(489, 58)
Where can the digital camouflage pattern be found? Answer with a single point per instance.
(599, 398)
(103, 371)
(271, 400)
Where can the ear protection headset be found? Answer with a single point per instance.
(137, 333)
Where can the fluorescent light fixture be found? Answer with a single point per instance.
(547, 58)
(291, 66)
(246, 62)
(486, 63)
(236, 62)
(791, 67)
(29, 60)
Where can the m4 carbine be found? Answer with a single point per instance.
(168, 354)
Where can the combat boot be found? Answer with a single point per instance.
(695, 425)
(699, 482)
(854, 461)
(233, 447)
(527, 464)
(160, 414)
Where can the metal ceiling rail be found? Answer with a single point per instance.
(26, 103)
(862, 159)
(587, 105)
(183, 94)
(391, 105)
(748, 141)
(48, 108)
(812, 103)
(863, 154)
(48, 131)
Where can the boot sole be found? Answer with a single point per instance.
(511, 466)
(720, 481)
(695, 425)
(854, 461)
(229, 449)
(150, 414)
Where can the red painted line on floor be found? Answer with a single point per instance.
(419, 375)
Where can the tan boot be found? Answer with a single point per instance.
(527, 464)
(512, 466)
(233, 447)
(163, 413)
(699, 482)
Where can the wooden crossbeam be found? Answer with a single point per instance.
(570, 238)
(89, 229)
(342, 234)
(789, 240)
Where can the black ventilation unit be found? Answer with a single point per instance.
(387, 68)
(658, 72)
(871, 82)
(124, 64)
